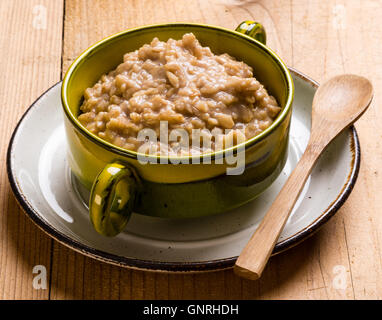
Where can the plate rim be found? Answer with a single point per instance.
(181, 266)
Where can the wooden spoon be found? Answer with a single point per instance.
(336, 105)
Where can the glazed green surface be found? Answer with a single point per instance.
(112, 199)
(253, 29)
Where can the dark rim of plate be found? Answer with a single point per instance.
(197, 266)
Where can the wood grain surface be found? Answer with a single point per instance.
(320, 38)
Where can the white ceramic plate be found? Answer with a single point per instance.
(43, 185)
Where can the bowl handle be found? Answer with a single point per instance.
(253, 29)
(112, 198)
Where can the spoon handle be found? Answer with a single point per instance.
(255, 255)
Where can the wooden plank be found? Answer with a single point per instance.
(30, 51)
(343, 35)
(361, 54)
(308, 269)
(319, 38)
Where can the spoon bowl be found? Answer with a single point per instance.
(339, 102)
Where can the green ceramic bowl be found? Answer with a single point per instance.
(120, 184)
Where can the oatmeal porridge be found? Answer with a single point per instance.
(185, 85)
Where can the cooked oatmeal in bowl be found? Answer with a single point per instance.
(184, 84)
(205, 83)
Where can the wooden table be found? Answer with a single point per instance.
(320, 38)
